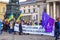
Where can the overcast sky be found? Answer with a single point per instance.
(8, 0)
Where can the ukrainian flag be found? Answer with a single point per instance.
(11, 16)
(19, 17)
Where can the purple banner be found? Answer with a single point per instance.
(49, 25)
(45, 18)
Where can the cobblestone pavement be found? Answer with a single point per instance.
(6, 36)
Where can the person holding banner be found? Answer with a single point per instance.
(16, 28)
(57, 29)
(11, 27)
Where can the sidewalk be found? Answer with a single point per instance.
(6, 36)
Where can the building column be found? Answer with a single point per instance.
(51, 11)
(54, 9)
(38, 16)
(57, 11)
(48, 8)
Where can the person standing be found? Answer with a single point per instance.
(7, 26)
(1, 26)
(11, 27)
(20, 27)
(4, 25)
(57, 29)
(16, 28)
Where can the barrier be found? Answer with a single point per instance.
(36, 30)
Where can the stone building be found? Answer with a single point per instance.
(2, 10)
(32, 10)
(53, 8)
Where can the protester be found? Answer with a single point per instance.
(7, 26)
(25, 22)
(40, 22)
(1, 26)
(57, 28)
(30, 23)
(36, 23)
(16, 27)
(20, 27)
(4, 25)
(11, 27)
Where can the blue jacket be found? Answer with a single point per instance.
(1, 26)
(57, 27)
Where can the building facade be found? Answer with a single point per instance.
(32, 10)
(2, 10)
(53, 8)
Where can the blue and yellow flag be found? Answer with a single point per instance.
(19, 17)
(11, 16)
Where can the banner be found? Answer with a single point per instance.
(49, 25)
(45, 18)
(47, 22)
(36, 30)
(16, 27)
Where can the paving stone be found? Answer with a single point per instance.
(7, 36)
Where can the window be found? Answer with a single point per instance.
(38, 5)
(33, 5)
(9, 0)
(44, 1)
(3, 10)
(24, 7)
(29, 10)
(36, 17)
(33, 9)
(8, 7)
(17, 3)
(24, 11)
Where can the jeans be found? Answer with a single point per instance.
(57, 33)
(0, 31)
(11, 30)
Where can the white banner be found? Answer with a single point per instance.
(36, 30)
(16, 27)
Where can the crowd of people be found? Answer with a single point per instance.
(9, 26)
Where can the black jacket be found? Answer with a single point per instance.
(56, 25)
(20, 27)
